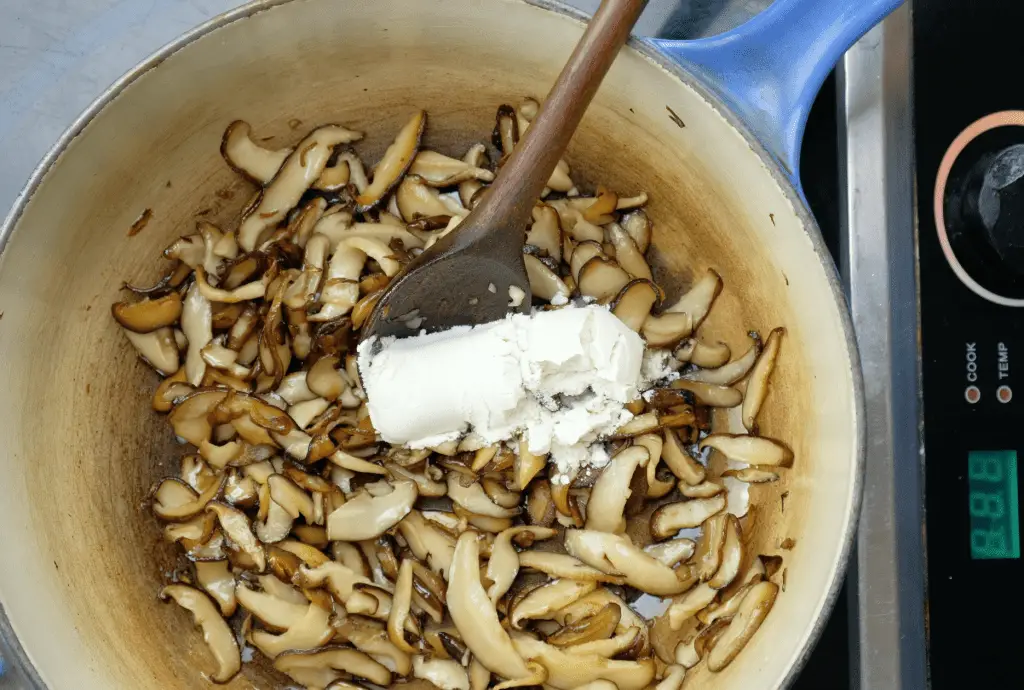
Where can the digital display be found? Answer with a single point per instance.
(995, 526)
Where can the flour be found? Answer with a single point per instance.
(557, 379)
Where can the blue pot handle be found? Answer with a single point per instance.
(769, 70)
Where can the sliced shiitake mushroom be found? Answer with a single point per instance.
(710, 394)
(560, 565)
(634, 302)
(441, 673)
(673, 552)
(753, 609)
(757, 385)
(687, 605)
(504, 562)
(236, 526)
(709, 355)
(249, 158)
(395, 162)
(617, 555)
(727, 374)
(371, 638)
(545, 232)
(606, 508)
(216, 579)
(439, 170)
(544, 283)
(309, 632)
(679, 461)
(157, 349)
(601, 278)
(316, 669)
(541, 602)
(475, 157)
(667, 329)
(668, 519)
(367, 517)
(597, 626)
(708, 556)
(570, 671)
(474, 499)
(216, 631)
(752, 475)
(752, 450)
(731, 554)
(697, 302)
(149, 314)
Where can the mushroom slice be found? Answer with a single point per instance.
(274, 587)
(474, 614)
(545, 283)
(599, 211)
(601, 278)
(156, 348)
(299, 171)
(634, 302)
(475, 157)
(526, 465)
(427, 543)
(236, 526)
(673, 552)
(583, 253)
(667, 329)
(216, 579)
(441, 673)
(400, 606)
(541, 602)
(438, 170)
(708, 355)
(705, 489)
(175, 501)
(568, 671)
(149, 314)
(731, 554)
(506, 129)
(319, 668)
(341, 580)
(291, 497)
(248, 158)
(192, 532)
(757, 385)
(752, 450)
(324, 378)
(753, 609)
(417, 200)
(546, 232)
(474, 499)
(668, 519)
(309, 632)
(368, 517)
(425, 486)
(607, 505)
(371, 637)
(625, 645)
(680, 462)
(393, 165)
(655, 444)
(709, 547)
(309, 555)
(216, 632)
(727, 374)
(560, 565)
(752, 475)
(598, 626)
(673, 678)
(686, 606)
(197, 324)
(627, 254)
(503, 565)
(697, 302)
(710, 394)
(639, 228)
(617, 555)
(641, 424)
(355, 464)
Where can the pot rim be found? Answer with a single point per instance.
(16, 654)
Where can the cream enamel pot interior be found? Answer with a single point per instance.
(82, 559)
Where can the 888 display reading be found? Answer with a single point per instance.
(992, 483)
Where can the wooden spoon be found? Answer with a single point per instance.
(465, 277)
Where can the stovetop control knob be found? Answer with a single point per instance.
(979, 207)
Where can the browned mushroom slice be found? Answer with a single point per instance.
(297, 174)
(710, 394)
(197, 324)
(731, 554)
(752, 475)
(501, 495)
(545, 283)
(474, 614)
(634, 302)
(311, 631)
(400, 606)
(560, 181)
(599, 212)
(503, 565)
(236, 526)
(438, 170)
(607, 505)
(708, 556)
(291, 497)
(371, 638)
(627, 253)
(543, 601)
(248, 158)
(175, 501)
(425, 485)
(367, 517)
(476, 157)
(567, 671)
(546, 232)
(560, 565)
(316, 669)
(157, 349)
(709, 355)
(753, 609)
(474, 499)
(680, 462)
(638, 225)
(667, 329)
(393, 165)
(727, 374)
(215, 577)
(427, 542)
(417, 200)
(641, 424)
(686, 606)
(216, 632)
(194, 531)
(506, 129)
(757, 385)
(325, 379)
(705, 489)
(581, 254)
(617, 555)
(598, 626)
(752, 450)
(444, 674)
(654, 443)
(149, 314)
(697, 302)
(667, 520)
(672, 552)
(526, 466)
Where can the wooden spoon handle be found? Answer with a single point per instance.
(524, 175)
